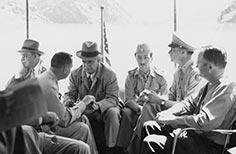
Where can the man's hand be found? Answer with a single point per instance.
(153, 97)
(69, 103)
(165, 118)
(88, 99)
(50, 120)
(95, 106)
(143, 97)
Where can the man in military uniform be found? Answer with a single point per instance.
(185, 82)
(212, 107)
(143, 77)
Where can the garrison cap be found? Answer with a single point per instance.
(177, 42)
(142, 48)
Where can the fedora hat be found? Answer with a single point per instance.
(177, 42)
(31, 46)
(89, 51)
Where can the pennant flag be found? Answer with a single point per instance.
(106, 49)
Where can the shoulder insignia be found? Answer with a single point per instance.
(132, 71)
(158, 72)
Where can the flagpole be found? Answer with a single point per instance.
(175, 19)
(102, 24)
(27, 19)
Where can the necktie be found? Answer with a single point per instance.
(200, 101)
(179, 85)
(33, 73)
(89, 81)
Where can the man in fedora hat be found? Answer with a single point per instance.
(40, 141)
(94, 79)
(30, 60)
(185, 82)
(145, 76)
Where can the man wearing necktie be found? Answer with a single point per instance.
(213, 107)
(103, 111)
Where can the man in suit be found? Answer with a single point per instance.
(94, 79)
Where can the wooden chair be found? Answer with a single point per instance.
(230, 142)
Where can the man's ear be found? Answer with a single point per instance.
(151, 54)
(210, 66)
(183, 51)
(64, 69)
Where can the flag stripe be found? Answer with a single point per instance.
(106, 49)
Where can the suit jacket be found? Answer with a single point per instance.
(104, 87)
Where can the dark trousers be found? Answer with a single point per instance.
(127, 124)
(160, 141)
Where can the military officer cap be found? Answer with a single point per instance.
(177, 42)
(142, 48)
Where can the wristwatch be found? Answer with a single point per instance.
(163, 102)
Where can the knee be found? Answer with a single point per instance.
(113, 114)
(126, 112)
(80, 147)
(28, 131)
(83, 127)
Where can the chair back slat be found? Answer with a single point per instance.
(232, 141)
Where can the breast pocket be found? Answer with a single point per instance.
(155, 87)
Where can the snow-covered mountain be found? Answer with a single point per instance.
(228, 15)
(116, 11)
(67, 11)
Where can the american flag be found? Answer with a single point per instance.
(106, 49)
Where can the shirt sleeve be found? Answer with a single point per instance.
(194, 80)
(163, 86)
(211, 115)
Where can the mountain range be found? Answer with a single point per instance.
(228, 15)
(88, 11)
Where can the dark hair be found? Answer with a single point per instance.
(61, 59)
(215, 55)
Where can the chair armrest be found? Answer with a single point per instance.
(222, 131)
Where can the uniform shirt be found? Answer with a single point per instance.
(135, 83)
(185, 82)
(49, 86)
(213, 108)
